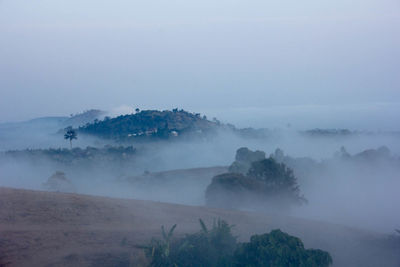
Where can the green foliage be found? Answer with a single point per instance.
(246, 155)
(230, 190)
(276, 176)
(267, 185)
(278, 249)
(217, 247)
(243, 159)
(159, 250)
(212, 247)
(208, 247)
(149, 124)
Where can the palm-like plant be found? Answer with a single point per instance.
(208, 247)
(70, 135)
(159, 250)
(167, 239)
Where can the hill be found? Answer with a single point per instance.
(52, 124)
(151, 123)
(83, 118)
(42, 123)
(55, 229)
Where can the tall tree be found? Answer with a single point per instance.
(70, 135)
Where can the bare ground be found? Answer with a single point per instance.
(55, 229)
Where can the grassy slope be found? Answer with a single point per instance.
(54, 229)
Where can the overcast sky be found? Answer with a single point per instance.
(59, 57)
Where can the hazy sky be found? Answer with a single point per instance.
(60, 57)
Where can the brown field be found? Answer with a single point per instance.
(56, 229)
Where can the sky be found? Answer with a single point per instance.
(315, 60)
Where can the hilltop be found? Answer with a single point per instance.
(151, 123)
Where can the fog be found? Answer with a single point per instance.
(359, 191)
(366, 116)
(355, 193)
(317, 79)
(361, 194)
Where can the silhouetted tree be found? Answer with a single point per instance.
(70, 135)
(267, 185)
(244, 158)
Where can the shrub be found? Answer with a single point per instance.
(159, 251)
(217, 247)
(213, 247)
(278, 249)
(208, 247)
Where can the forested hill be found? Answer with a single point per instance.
(150, 123)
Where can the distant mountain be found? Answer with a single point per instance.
(84, 118)
(329, 132)
(42, 132)
(54, 123)
(151, 123)
(44, 124)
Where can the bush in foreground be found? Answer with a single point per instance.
(217, 247)
(279, 249)
(208, 247)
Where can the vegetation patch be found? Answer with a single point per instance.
(267, 184)
(217, 247)
(76, 155)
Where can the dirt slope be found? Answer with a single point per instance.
(55, 229)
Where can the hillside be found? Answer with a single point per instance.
(83, 118)
(42, 123)
(52, 124)
(150, 123)
(55, 229)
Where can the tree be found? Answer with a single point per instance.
(243, 159)
(268, 185)
(70, 135)
(279, 249)
(276, 176)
